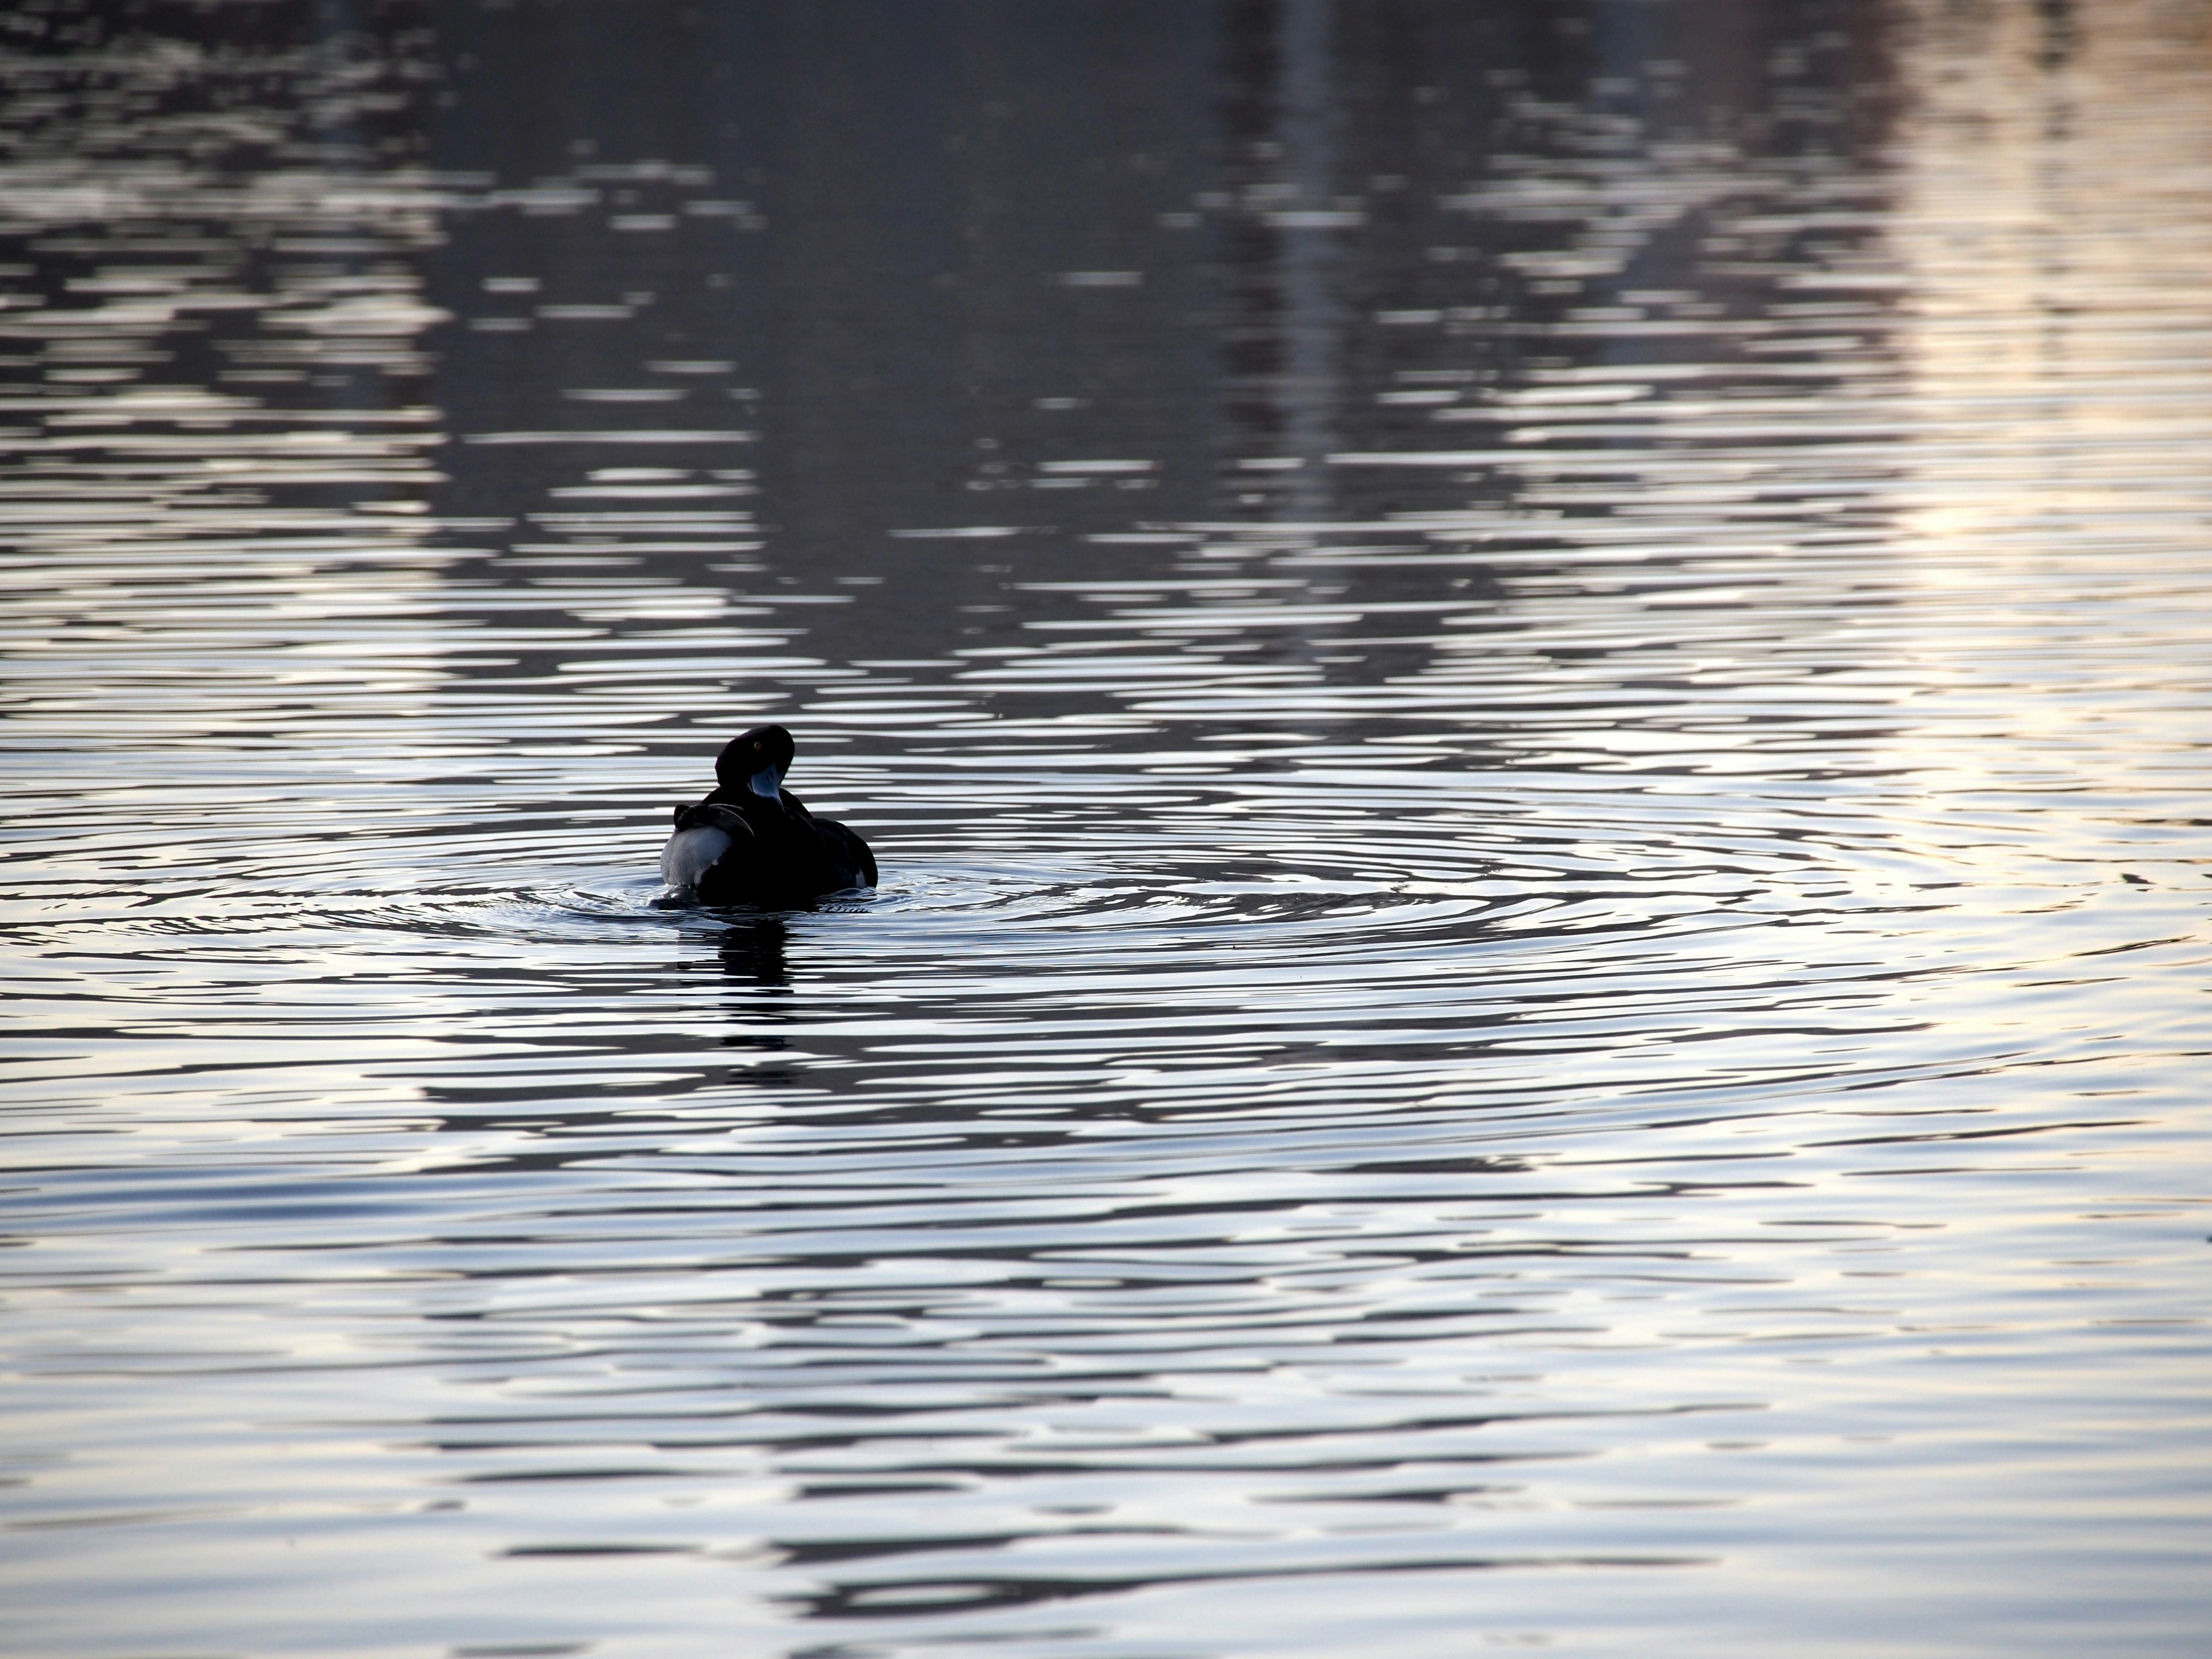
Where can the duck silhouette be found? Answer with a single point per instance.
(751, 841)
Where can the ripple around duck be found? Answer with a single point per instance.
(1338, 900)
(1323, 883)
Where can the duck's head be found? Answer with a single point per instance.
(756, 760)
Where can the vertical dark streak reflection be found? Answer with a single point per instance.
(1280, 350)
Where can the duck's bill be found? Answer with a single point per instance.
(763, 783)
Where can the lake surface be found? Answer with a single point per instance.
(1534, 685)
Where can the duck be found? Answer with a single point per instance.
(752, 842)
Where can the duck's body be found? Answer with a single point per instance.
(752, 842)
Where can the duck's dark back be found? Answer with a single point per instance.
(792, 856)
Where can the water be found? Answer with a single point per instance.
(1531, 682)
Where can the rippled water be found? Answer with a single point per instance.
(1531, 681)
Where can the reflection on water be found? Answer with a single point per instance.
(1529, 681)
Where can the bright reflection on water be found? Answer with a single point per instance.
(1532, 683)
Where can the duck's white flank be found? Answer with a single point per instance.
(690, 853)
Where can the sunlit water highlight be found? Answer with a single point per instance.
(1535, 711)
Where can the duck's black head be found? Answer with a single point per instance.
(756, 760)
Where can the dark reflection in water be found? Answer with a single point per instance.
(752, 952)
(1529, 679)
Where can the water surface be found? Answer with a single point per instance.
(1531, 684)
